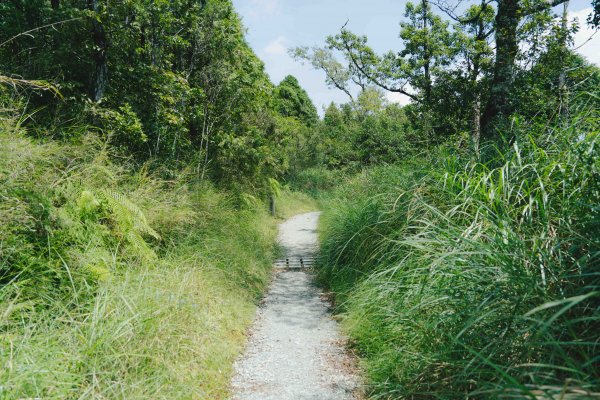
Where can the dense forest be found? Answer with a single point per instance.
(142, 142)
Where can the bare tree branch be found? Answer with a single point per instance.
(360, 67)
(28, 33)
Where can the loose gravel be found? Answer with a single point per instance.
(295, 350)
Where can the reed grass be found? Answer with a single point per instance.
(462, 279)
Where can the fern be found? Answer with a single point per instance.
(274, 187)
(129, 213)
(129, 220)
(249, 200)
(137, 243)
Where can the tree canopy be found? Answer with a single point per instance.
(459, 76)
(293, 101)
(174, 80)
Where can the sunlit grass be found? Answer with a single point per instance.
(290, 203)
(459, 279)
(118, 284)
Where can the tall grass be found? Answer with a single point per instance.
(115, 284)
(316, 180)
(470, 280)
(290, 203)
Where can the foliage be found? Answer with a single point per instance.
(124, 272)
(293, 101)
(316, 180)
(461, 279)
(455, 80)
(461, 271)
(536, 96)
(119, 284)
(173, 81)
(367, 132)
(290, 203)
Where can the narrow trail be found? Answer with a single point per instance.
(295, 350)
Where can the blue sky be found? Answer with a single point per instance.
(276, 25)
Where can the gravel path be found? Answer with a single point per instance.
(295, 350)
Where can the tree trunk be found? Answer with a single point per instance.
(100, 77)
(563, 91)
(499, 103)
(426, 55)
(476, 124)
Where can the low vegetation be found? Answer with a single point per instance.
(290, 203)
(466, 279)
(119, 284)
(139, 143)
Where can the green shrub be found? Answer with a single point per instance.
(316, 180)
(61, 210)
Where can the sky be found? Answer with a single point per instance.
(274, 26)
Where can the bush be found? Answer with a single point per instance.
(316, 180)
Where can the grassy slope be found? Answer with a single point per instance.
(459, 279)
(120, 285)
(290, 203)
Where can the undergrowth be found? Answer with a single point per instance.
(290, 203)
(461, 279)
(116, 284)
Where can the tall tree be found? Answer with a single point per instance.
(293, 101)
(563, 91)
(169, 80)
(410, 72)
(472, 33)
(100, 40)
(508, 16)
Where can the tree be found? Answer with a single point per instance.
(100, 75)
(173, 81)
(426, 47)
(445, 72)
(337, 75)
(508, 17)
(293, 101)
(475, 55)
(594, 18)
(410, 72)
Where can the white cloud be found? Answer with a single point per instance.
(399, 98)
(587, 40)
(264, 8)
(276, 47)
